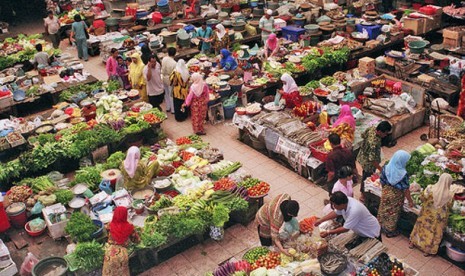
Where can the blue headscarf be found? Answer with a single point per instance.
(227, 61)
(395, 169)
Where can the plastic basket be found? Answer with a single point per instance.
(292, 32)
(320, 155)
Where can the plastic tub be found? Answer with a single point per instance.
(17, 214)
(455, 254)
(417, 47)
(32, 233)
(50, 266)
(99, 232)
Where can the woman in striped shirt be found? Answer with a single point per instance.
(271, 217)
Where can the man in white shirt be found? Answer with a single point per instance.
(266, 24)
(356, 215)
(168, 64)
(152, 74)
(41, 59)
(52, 27)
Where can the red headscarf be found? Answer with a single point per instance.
(120, 228)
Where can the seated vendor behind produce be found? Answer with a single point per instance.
(356, 215)
(227, 62)
(137, 172)
(40, 58)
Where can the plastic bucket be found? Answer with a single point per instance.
(236, 88)
(43, 266)
(229, 111)
(17, 214)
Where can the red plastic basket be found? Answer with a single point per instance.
(320, 155)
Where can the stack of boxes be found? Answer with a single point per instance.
(366, 66)
(424, 24)
(452, 37)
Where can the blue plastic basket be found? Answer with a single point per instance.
(373, 31)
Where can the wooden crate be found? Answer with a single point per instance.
(417, 25)
(451, 42)
(452, 33)
(6, 101)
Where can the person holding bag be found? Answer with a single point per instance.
(204, 34)
(79, 35)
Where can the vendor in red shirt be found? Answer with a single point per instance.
(337, 158)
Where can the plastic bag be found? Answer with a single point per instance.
(37, 209)
(29, 262)
(36, 224)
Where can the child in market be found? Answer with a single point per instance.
(122, 71)
(289, 230)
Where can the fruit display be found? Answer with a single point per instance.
(270, 260)
(259, 190)
(383, 265)
(306, 109)
(253, 254)
(224, 184)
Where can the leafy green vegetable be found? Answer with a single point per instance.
(63, 196)
(38, 184)
(414, 164)
(220, 215)
(115, 160)
(89, 255)
(80, 227)
(457, 222)
(89, 175)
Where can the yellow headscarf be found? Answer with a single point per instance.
(136, 74)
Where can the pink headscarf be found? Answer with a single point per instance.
(345, 116)
(132, 160)
(272, 41)
(197, 84)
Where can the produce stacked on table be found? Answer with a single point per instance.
(73, 143)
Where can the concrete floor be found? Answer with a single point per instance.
(238, 239)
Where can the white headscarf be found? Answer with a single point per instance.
(290, 85)
(221, 31)
(441, 190)
(197, 84)
(181, 68)
(132, 160)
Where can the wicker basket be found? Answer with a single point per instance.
(449, 124)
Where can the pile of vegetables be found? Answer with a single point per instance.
(224, 168)
(63, 196)
(88, 255)
(253, 254)
(457, 223)
(324, 58)
(80, 227)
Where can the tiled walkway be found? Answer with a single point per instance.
(238, 239)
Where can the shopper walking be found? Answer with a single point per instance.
(266, 24)
(79, 36)
(369, 155)
(112, 64)
(168, 64)
(197, 100)
(220, 39)
(136, 76)
(152, 74)
(271, 216)
(179, 79)
(122, 234)
(436, 204)
(395, 188)
(52, 28)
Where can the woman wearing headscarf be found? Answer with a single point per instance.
(271, 216)
(395, 183)
(220, 39)
(227, 62)
(290, 91)
(429, 227)
(271, 45)
(179, 80)
(197, 100)
(344, 126)
(146, 53)
(137, 172)
(136, 76)
(116, 259)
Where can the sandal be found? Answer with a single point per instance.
(410, 245)
(392, 234)
(427, 255)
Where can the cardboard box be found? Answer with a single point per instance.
(451, 42)
(452, 33)
(417, 25)
(372, 44)
(432, 24)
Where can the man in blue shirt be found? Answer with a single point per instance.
(204, 34)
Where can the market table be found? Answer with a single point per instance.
(440, 87)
